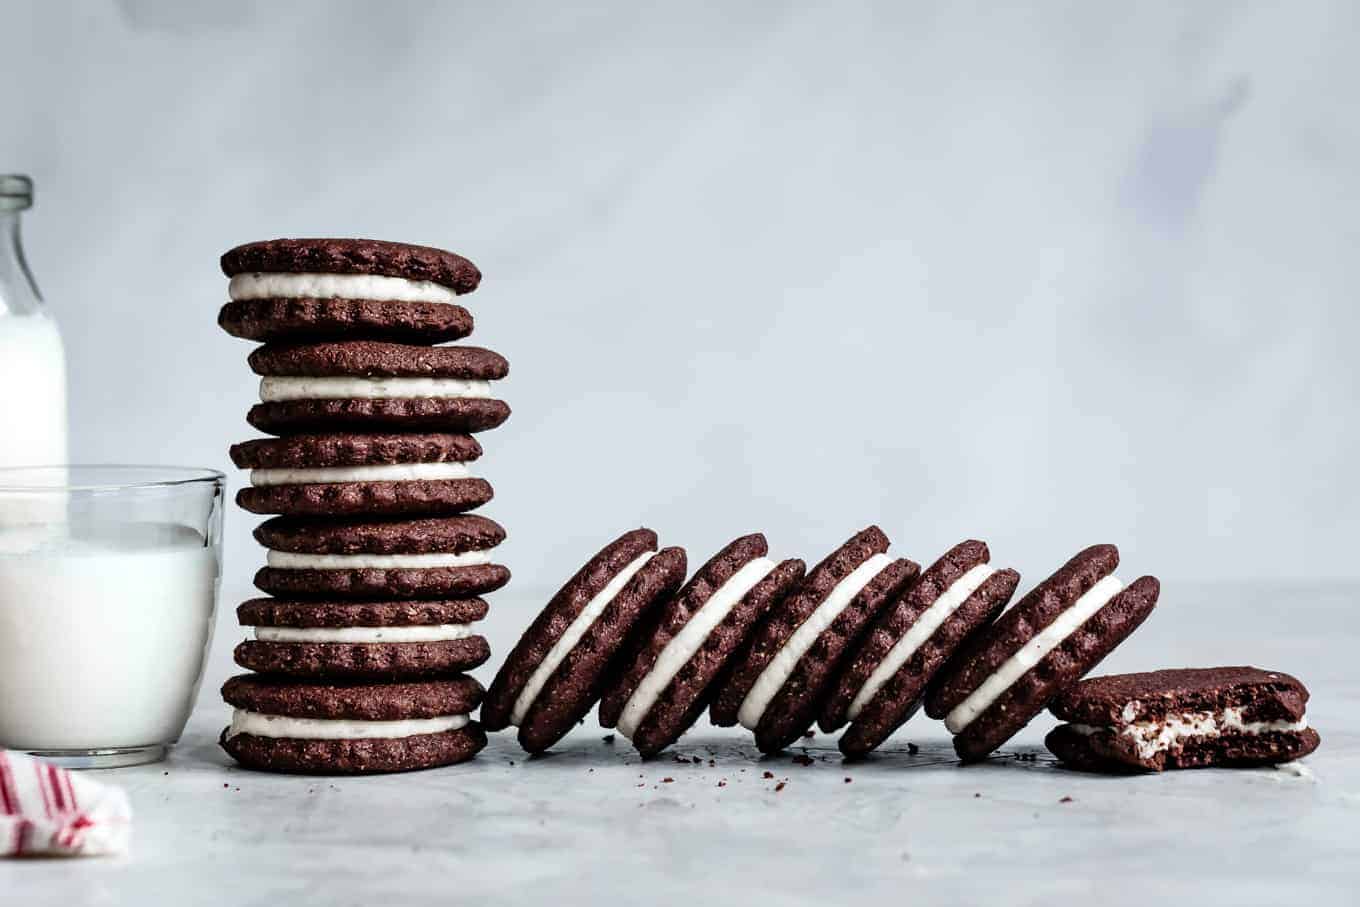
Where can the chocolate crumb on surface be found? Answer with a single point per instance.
(778, 787)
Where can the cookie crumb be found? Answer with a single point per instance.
(767, 775)
(913, 749)
(778, 787)
(976, 796)
(667, 780)
(847, 780)
(1066, 800)
(607, 738)
(722, 783)
(225, 785)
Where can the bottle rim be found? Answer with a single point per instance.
(16, 192)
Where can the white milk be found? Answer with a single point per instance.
(32, 392)
(102, 636)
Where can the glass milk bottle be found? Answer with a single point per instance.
(32, 361)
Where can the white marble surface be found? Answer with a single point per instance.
(592, 821)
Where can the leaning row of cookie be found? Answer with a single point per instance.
(860, 641)
(375, 561)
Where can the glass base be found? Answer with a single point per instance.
(118, 757)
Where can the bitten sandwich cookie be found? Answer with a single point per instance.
(283, 725)
(1046, 642)
(333, 289)
(1187, 718)
(885, 679)
(352, 475)
(370, 385)
(379, 560)
(362, 640)
(560, 666)
(660, 693)
(778, 680)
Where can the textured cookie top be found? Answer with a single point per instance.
(273, 612)
(435, 535)
(1127, 698)
(1017, 626)
(354, 256)
(363, 449)
(375, 359)
(358, 702)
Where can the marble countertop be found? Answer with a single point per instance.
(713, 821)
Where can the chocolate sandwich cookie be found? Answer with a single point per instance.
(561, 664)
(377, 386)
(347, 475)
(885, 678)
(1187, 718)
(334, 289)
(1045, 643)
(391, 640)
(777, 682)
(283, 725)
(380, 560)
(684, 646)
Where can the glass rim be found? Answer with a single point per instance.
(63, 475)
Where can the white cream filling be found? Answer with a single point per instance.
(572, 635)
(290, 560)
(281, 388)
(691, 638)
(275, 285)
(1031, 653)
(261, 725)
(414, 633)
(1158, 736)
(771, 679)
(930, 620)
(386, 472)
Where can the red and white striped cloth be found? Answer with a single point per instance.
(48, 811)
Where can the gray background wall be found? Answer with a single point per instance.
(1074, 274)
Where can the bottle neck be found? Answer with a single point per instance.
(18, 290)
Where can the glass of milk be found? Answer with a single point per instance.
(109, 578)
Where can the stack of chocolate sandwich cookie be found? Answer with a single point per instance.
(374, 564)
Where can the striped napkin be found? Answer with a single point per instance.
(48, 811)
